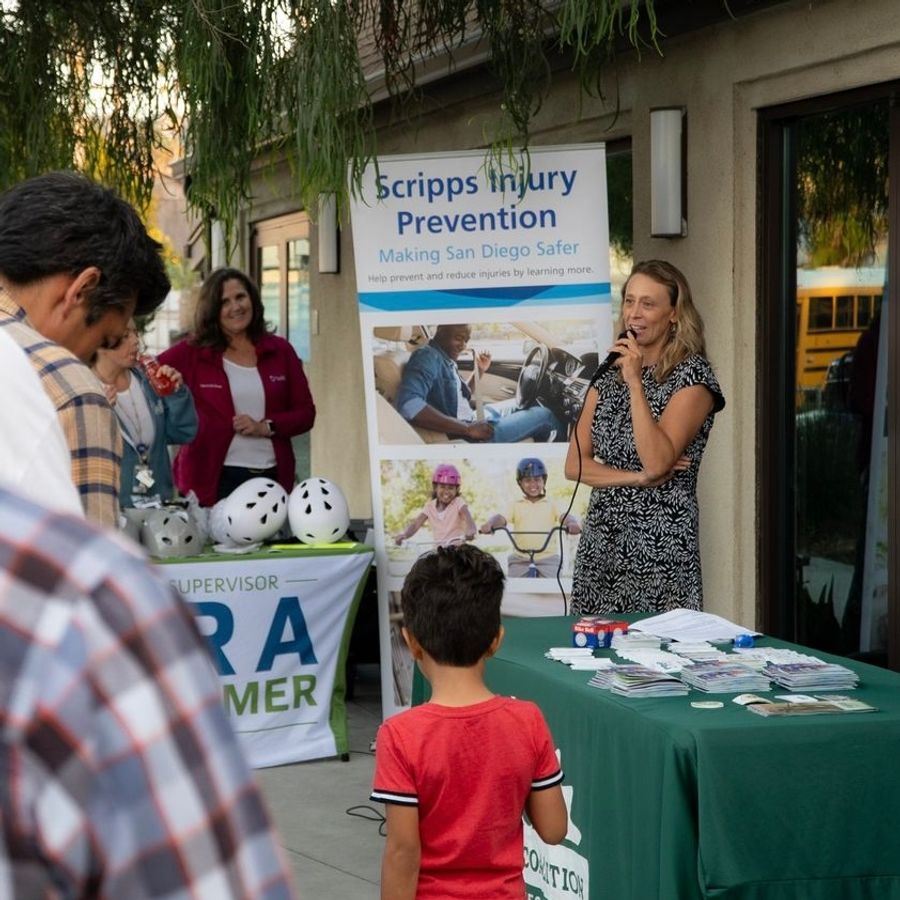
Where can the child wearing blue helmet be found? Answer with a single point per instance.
(531, 519)
(446, 512)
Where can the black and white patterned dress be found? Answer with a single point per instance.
(639, 551)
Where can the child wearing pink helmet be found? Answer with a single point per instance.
(446, 512)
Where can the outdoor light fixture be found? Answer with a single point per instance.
(329, 259)
(668, 172)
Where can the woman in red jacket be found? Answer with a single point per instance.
(249, 389)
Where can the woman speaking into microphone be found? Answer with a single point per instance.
(638, 444)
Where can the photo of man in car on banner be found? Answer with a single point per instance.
(485, 308)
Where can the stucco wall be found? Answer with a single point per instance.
(723, 75)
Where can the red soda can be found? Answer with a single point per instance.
(161, 383)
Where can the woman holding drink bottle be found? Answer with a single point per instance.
(154, 409)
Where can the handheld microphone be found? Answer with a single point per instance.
(607, 363)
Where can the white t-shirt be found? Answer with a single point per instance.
(464, 411)
(34, 456)
(137, 424)
(249, 399)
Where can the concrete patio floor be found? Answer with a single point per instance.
(334, 855)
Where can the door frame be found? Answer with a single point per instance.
(278, 230)
(776, 356)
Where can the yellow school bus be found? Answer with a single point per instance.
(830, 320)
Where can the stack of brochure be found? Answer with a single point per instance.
(590, 663)
(716, 676)
(759, 657)
(691, 625)
(696, 650)
(565, 654)
(634, 640)
(812, 676)
(658, 660)
(639, 681)
(603, 677)
(830, 705)
(578, 658)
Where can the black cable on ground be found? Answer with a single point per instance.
(370, 814)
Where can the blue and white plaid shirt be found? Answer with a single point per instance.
(120, 774)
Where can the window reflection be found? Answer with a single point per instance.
(840, 451)
(270, 285)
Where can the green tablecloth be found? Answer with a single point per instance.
(678, 803)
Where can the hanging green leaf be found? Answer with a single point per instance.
(93, 85)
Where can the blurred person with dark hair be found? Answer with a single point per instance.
(76, 263)
(457, 773)
(121, 774)
(638, 444)
(249, 388)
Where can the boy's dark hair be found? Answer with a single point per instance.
(64, 222)
(207, 322)
(451, 603)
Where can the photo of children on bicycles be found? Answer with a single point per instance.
(442, 498)
(532, 524)
(446, 513)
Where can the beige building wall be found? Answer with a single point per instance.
(723, 74)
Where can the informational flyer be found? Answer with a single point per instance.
(484, 308)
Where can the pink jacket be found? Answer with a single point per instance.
(289, 405)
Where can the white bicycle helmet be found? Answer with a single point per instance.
(217, 523)
(254, 511)
(170, 533)
(318, 512)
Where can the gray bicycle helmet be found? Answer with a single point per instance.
(170, 533)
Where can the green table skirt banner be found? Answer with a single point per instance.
(278, 625)
(672, 802)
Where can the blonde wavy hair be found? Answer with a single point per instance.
(686, 334)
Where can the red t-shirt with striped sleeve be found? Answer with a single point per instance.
(469, 770)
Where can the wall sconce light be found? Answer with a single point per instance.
(668, 172)
(329, 247)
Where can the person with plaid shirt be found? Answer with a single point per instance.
(76, 263)
(121, 776)
(87, 420)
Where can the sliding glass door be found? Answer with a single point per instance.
(826, 554)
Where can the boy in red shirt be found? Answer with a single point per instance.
(457, 773)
